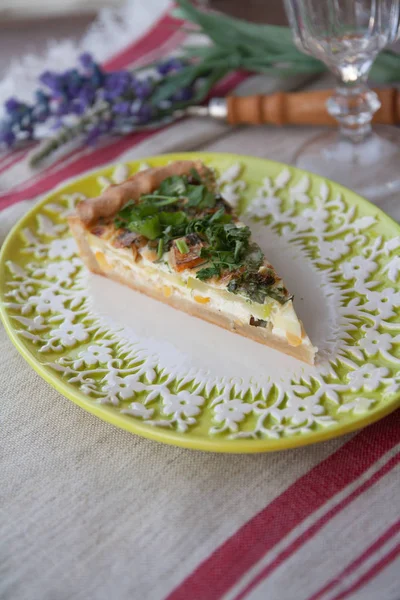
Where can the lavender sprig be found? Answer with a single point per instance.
(89, 103)
(125, 102)
(92, 123)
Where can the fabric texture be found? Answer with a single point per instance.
(88, 511)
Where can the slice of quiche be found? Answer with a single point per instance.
(168, 232)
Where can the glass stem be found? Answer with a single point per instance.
(353, 106)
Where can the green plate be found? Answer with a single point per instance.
(165, 375)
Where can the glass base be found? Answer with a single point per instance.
(371, 167)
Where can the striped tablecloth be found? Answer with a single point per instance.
(91, 512)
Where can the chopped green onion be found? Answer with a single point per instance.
(160, 249)
(182, 246)
(164, 200)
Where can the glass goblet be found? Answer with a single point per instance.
(347, 36)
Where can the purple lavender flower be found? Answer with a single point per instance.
(53, 81)
(87, 95)
(102, 94)
(109, 95)
(77, 107)
(12, 106)
(92, 69)
(172, 64)
(117, 84)
(145, 113)
(143, 88)
(86, 60)
(121, 108)
(74, 91)
(20, 116)
(62, 108)
(111, 87)
(72, 82)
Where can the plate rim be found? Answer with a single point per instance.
(172, 437)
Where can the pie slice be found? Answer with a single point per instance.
(168, 232)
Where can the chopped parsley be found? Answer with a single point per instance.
(187, 206)
(228, 248)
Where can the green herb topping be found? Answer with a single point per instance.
(182, 246)
(186, 209)
(259, 286)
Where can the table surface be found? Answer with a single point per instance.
(90, 511)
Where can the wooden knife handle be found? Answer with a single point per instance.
(302, 108)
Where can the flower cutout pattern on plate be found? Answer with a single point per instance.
(47, 299)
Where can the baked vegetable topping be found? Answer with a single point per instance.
(188, 218)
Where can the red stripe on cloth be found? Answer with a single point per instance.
(72, 169)
(373, 572)
(228, 563)
(12, 158)
(387, 535)
(165, 27)
(307, 535)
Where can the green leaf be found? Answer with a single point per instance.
(195, 194)
(258, 287)
(208, 53)
(218, 216)
(266, 48)
(229, 31)
(135, 212)
(195, 175)
(208, 272)
(173, 186)
(173, 219)
(209, 199)
(386, 68)
(225, 247)
(149, 227)
(170, 84)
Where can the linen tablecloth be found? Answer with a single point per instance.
(88, 511)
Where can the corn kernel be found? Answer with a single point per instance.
(102, 261)
(202, 299)
(293, 340)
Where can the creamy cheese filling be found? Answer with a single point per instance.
(281, 319)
